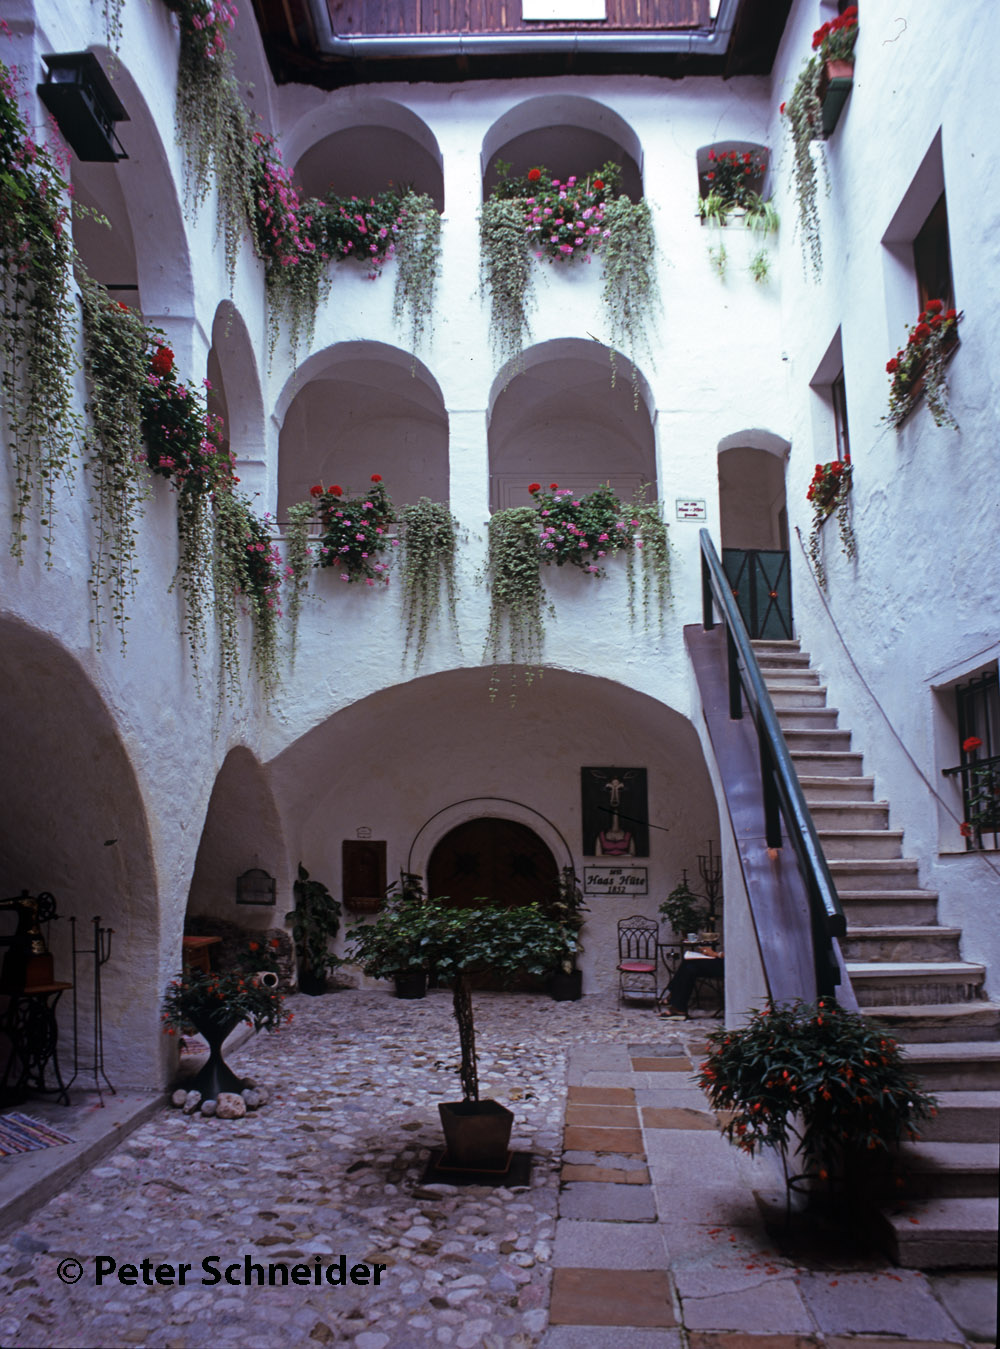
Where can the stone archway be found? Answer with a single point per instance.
(492, 859)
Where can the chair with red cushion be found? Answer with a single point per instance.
(638, 958)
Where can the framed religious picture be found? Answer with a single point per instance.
(615, 812)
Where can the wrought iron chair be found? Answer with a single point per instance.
(638, 958)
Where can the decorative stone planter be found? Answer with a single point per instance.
(835, 83)
(477, 1134)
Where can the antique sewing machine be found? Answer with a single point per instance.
(28, 979)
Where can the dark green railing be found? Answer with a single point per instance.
(782, 793)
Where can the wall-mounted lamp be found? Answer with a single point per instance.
(79, 96)
(255, 887)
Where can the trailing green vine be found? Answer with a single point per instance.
(516, 630)
(299, 562)
(115, 339)
(418, 260)
(630, 289)
(428, 566)
(37, 321)
(505, 272)
(653, 553)
(247, 567)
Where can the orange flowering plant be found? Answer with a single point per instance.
(813, 1078)
(226, 999)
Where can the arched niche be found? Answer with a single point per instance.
(411, 762)
(559, 419)
(362, 149)
(242, 830)
(73, 823)
(144, 256)
(235, 395)
(752, 507)
(567, 133)
(758, 152)
(360, 408)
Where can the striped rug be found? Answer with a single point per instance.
(21, 1133)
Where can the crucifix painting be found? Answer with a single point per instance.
(615, 812)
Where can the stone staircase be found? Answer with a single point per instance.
(907, 971)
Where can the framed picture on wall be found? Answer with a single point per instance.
(615, 812)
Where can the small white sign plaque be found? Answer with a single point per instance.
(691, 509)
(561, 11)
(616, 880)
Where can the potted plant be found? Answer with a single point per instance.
(315, 922)
(807, 118)
(829, 491)
(568, 908)
(819, 1081)
(919, 366)
(213, 1005)
(394, 946)
(355, 531)
(733, 182)
(459, 943)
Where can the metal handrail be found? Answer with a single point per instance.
(781, 788)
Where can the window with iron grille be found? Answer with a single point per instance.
(978, 708)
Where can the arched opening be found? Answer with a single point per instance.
(754, 523)
(568, 135)
(492, 860)
(235, 395)
(73, 823)
(362, 151)
(559, 419)
(361, 408)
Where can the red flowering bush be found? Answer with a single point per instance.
(356, 533)
(835, 40)
(829, 491)
(224, 998)
(583, 531)
(928, 343)
(735, 178)
(566, 220)
(829, 482)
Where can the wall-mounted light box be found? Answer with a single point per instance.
(563, 11)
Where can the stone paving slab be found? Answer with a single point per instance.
(600, 1095)
(770, 1308)
(619, 1160)
(608, 1202)
(616, 1297)
(877, 1304)
(600, 1245)
(714, 1339)
(603, 1116)
(971, 1300)
(667, 1117)
(583, 1138)
(609, 1337)
(662, 1065)
(612, 1175)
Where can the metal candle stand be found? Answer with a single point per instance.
(101, 952)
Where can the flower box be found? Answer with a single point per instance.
(835, 83)
(917, 382)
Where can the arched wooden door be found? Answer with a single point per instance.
(499, 860)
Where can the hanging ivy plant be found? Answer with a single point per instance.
(246, 566)
(829, 491)
(562, 222)
(516, 629)
(115, 340)
(652, 556)
(418, 260)
(212, 122)
(299, 562)
(37, 321)
(429, 546)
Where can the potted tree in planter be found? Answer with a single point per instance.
(459, 943)
(315, 922)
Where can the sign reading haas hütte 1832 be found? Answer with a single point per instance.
(615, 881)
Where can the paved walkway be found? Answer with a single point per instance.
(638, 1228)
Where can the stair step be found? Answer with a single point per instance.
(833, 764)
(940, 1023)
(791, 676)
(805, 718)
(849, 815)
(782, 660)
(820, 790)
(824, 741)
(908, 943)
(873, 873)
(890, 983)
(861, 844)
(788, 697)
(965, 1117)
(943, 1233)
(956, 1065)
(959, 1170)
(887, 908)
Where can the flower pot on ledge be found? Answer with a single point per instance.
(835, 83)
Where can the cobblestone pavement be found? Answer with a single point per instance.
(330, 1166)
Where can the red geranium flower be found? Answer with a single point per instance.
(952, 314)
(336, 491)
(534, 175)
(553, 487)
(934, 306)
(598, 184)
(534, 487)
(781, 110)
(892, 366)
(965, 829)
(316, 491)
(376, 477)
(973, 742)
(162, 362)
